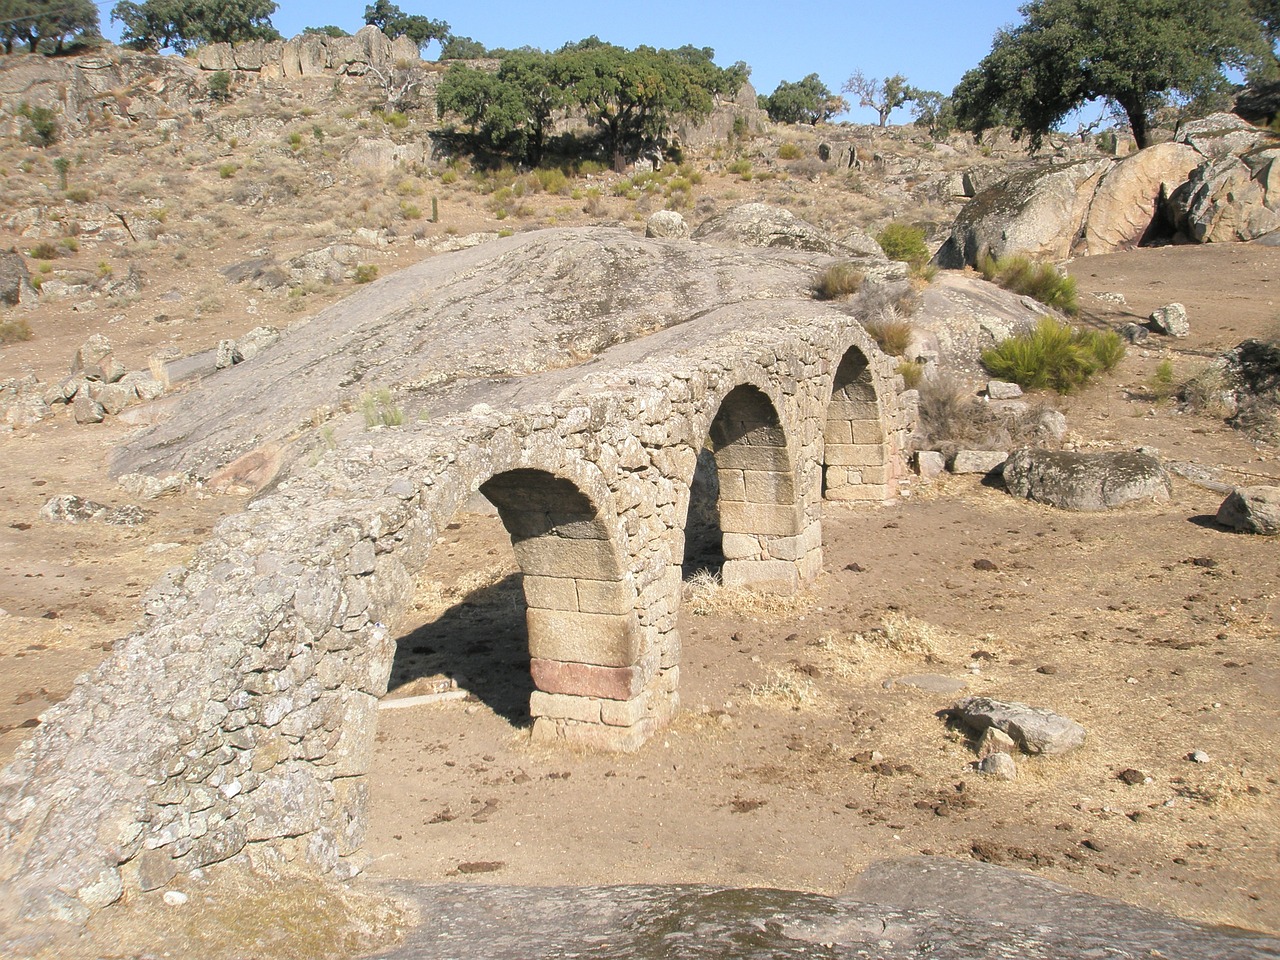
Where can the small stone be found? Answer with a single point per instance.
(1252, 510)
(88, 410)
(1199, 756)
(667, 225)
(930, 463)
(1135, 332)
(68, 508)
(1131, 777)
(1047, 669)
(175, 898)
(999, 765)
(994, 741)
(985, 565)
(1003, 390)
(1034, 729)
(1171, 319)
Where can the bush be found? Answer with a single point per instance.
(901, 241)
(42, 123)
(79, 195)
(838, 281)
(1039, 280)
(912, 373)
(220, 86)
(552, 180)
(366, 273)
(741, 168)
(1054, 355)
(1161, 383)
(891, 334)
(790, 151)
(14, 331)
(227, 170)
(952, 418)
(44, 250)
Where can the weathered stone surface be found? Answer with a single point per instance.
(1171, 320)
(1221, 203)
(1033, 729)
(994, 740)
(1220, 135)
(978, 461)
(930, 463)
(900, 909)
(666, 225)
(1000, 390)
(1038, 213)
(1085, 481)
(1252, 509)
(1128, 197)
(764, 225)
(15, 280)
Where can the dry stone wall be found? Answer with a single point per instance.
(239, 720)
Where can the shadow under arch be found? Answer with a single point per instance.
(855, 450)
(765, 541)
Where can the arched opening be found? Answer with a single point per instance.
(855, 458)
(765, 543)
(703, 541)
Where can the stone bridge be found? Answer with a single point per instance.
(243, 711)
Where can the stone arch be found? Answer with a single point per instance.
(766, 543)
(856, 457)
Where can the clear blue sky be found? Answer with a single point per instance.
(931, 42)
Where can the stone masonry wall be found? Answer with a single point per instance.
(240, 717)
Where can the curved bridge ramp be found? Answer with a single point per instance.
(242, 713)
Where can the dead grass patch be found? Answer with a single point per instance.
(707, 596)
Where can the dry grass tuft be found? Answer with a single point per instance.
(707, 596)
(785, 689)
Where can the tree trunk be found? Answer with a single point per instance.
(1137, 123)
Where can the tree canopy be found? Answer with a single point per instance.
(882, 96)
(394, 22)
(631, 97)
(181, 25)
(35, 21)
(805, 101)
(1135, 54)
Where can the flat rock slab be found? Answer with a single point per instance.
(897, 910)
(1034, 729)
(931, 683)
(1085, 481)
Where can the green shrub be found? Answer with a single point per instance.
(838, 281)
(79, 195)
(366, 273)
(1036, 279)
(69, 243)
(410, 211)
(912, 373)
(380, 409)
(790, 151)
(42, 124)
(902, 241)
(295, 141)
(394, 119)
(1162, 383)
(44, 250)
(740, 167)
(552, 180)
(15, 331)
(227, 170)
(220, 86)
(1054, 355)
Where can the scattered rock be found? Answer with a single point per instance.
(993, 741)
(175, 898)
(930, 463)
(148, 488)
(15, 281)
(68, 508)
(227, 355)
(999, 765)
(1199, 756)
(1132, 777)
(1034, 729)
(1085, 481)
(984, 462)
(1171, 320)
(1252, 510)
(985, 565)
(1002, 390)
(88, 410)
(1135, 332)
(666, 225)
(1048, 669)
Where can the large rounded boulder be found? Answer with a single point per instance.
(1085, 481)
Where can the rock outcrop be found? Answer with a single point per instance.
(1218, 182)
(311, 55)
(1252, 510)
(1085, 481)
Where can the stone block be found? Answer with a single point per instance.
(593, 736)
(765, 519)
(848, 409)
(358, 726)
(978, 461)
(551, 593)
(862, 492)
(624, 713)
(558, 706)
(153, 869)
(605, 639)
(769, 486)
(741, 546)
(930, 463)
(854, 455)
(740, 456)
(766, 576)
(838, 431)
(605, 596)
(563, 557)
(866, 431)
(587, 680)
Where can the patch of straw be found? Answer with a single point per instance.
(707, 596)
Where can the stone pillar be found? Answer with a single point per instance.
(856, 460)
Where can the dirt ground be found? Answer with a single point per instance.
(800, 755)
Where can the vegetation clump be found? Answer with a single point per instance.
(838, 281)
(902, 241)
(1054, 355)
(1036, 279)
